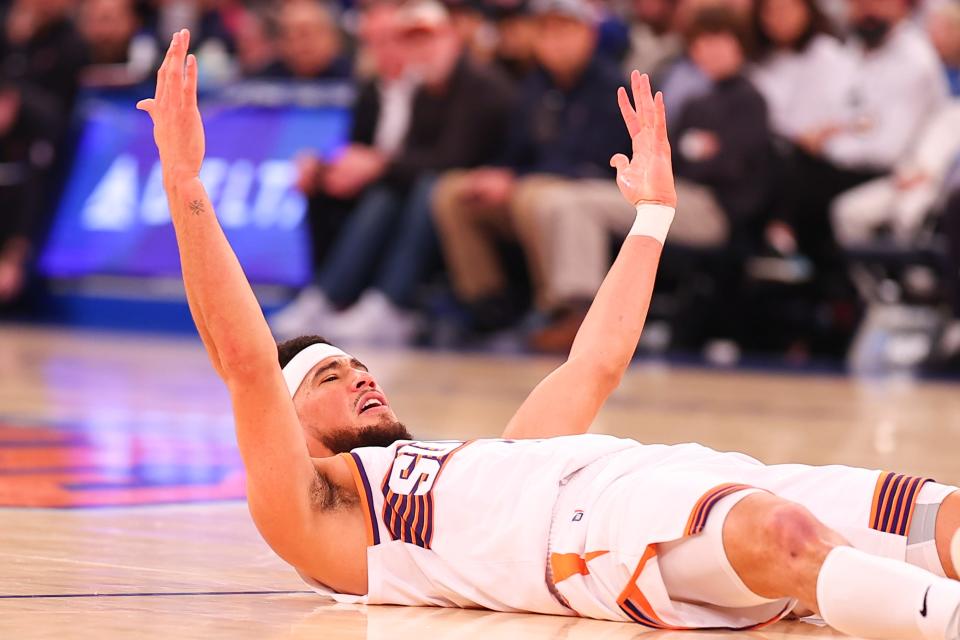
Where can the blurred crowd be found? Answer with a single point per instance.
(816, 147)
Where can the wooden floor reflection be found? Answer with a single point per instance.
(128, 424)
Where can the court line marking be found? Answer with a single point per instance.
(109, 565)
(147, 594)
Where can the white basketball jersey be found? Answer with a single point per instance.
(465, 524)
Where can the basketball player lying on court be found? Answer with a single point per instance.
(547, 519)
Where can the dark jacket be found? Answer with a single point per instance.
(45, 69)
(740, 173)
(462, 126)
(571, 133)
(365, 113)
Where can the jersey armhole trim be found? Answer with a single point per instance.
(366, 497)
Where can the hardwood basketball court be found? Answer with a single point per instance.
(122, 488)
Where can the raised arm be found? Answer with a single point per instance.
(279, 471)
(567, 401)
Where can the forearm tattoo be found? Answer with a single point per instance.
(196, 207)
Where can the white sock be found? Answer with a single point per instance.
(873, 597)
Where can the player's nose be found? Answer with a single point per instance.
(364, 380)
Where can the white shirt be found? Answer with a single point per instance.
(805, 90)
(393, 121)
(894, 91)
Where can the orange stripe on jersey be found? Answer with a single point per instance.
(366, 498)
(633, 603)
(698, 516)
(567, 565)
(894, 502)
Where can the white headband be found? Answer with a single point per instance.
(302, 363)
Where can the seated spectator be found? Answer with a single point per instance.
(901, 202)
(722, 151)
(516, 34)
(211, 24)
(721, 162)
(470, 21)
(653, 39)
(380, 122)
(678, 78)
(943, 25)
(25, 155)
(896, 86)
(562, 136)
(310, 44)
(255, 39)
(458, 119)
(801, 69)
(41, 56)
(118, 54)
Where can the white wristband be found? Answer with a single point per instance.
(653, 220)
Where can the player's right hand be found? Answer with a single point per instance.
(177, 128)
(647, 177)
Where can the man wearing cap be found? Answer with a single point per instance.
(563, 133)
(458, 119)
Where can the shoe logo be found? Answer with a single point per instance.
(923, 612)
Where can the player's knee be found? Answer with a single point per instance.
(793, 532)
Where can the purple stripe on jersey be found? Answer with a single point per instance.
(891, 500)
(708, 506)
(638, 616)
(366, 489)
(881, 500)
(912, 504)
(420, 522)
(902, 502)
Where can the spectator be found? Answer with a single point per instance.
(802, 70)
(653, 40)
(118, 55)
(310, 44)
(516, 34)
(679, 78)
(255, 40)
(380, 122)
(26, 146)
(723, 155)
(40, 60)
(943, 25)
(896, 86)
(721, 160)
(472, 28)
(458, 119)
(42, 54)
(211, 24)
(900, 203)
(563, 134)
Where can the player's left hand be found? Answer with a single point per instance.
(648, 176)
(177, 127)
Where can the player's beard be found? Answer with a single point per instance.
(382, 434)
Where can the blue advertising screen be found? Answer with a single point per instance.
(113, 217)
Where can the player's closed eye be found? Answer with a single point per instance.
(328, 379)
